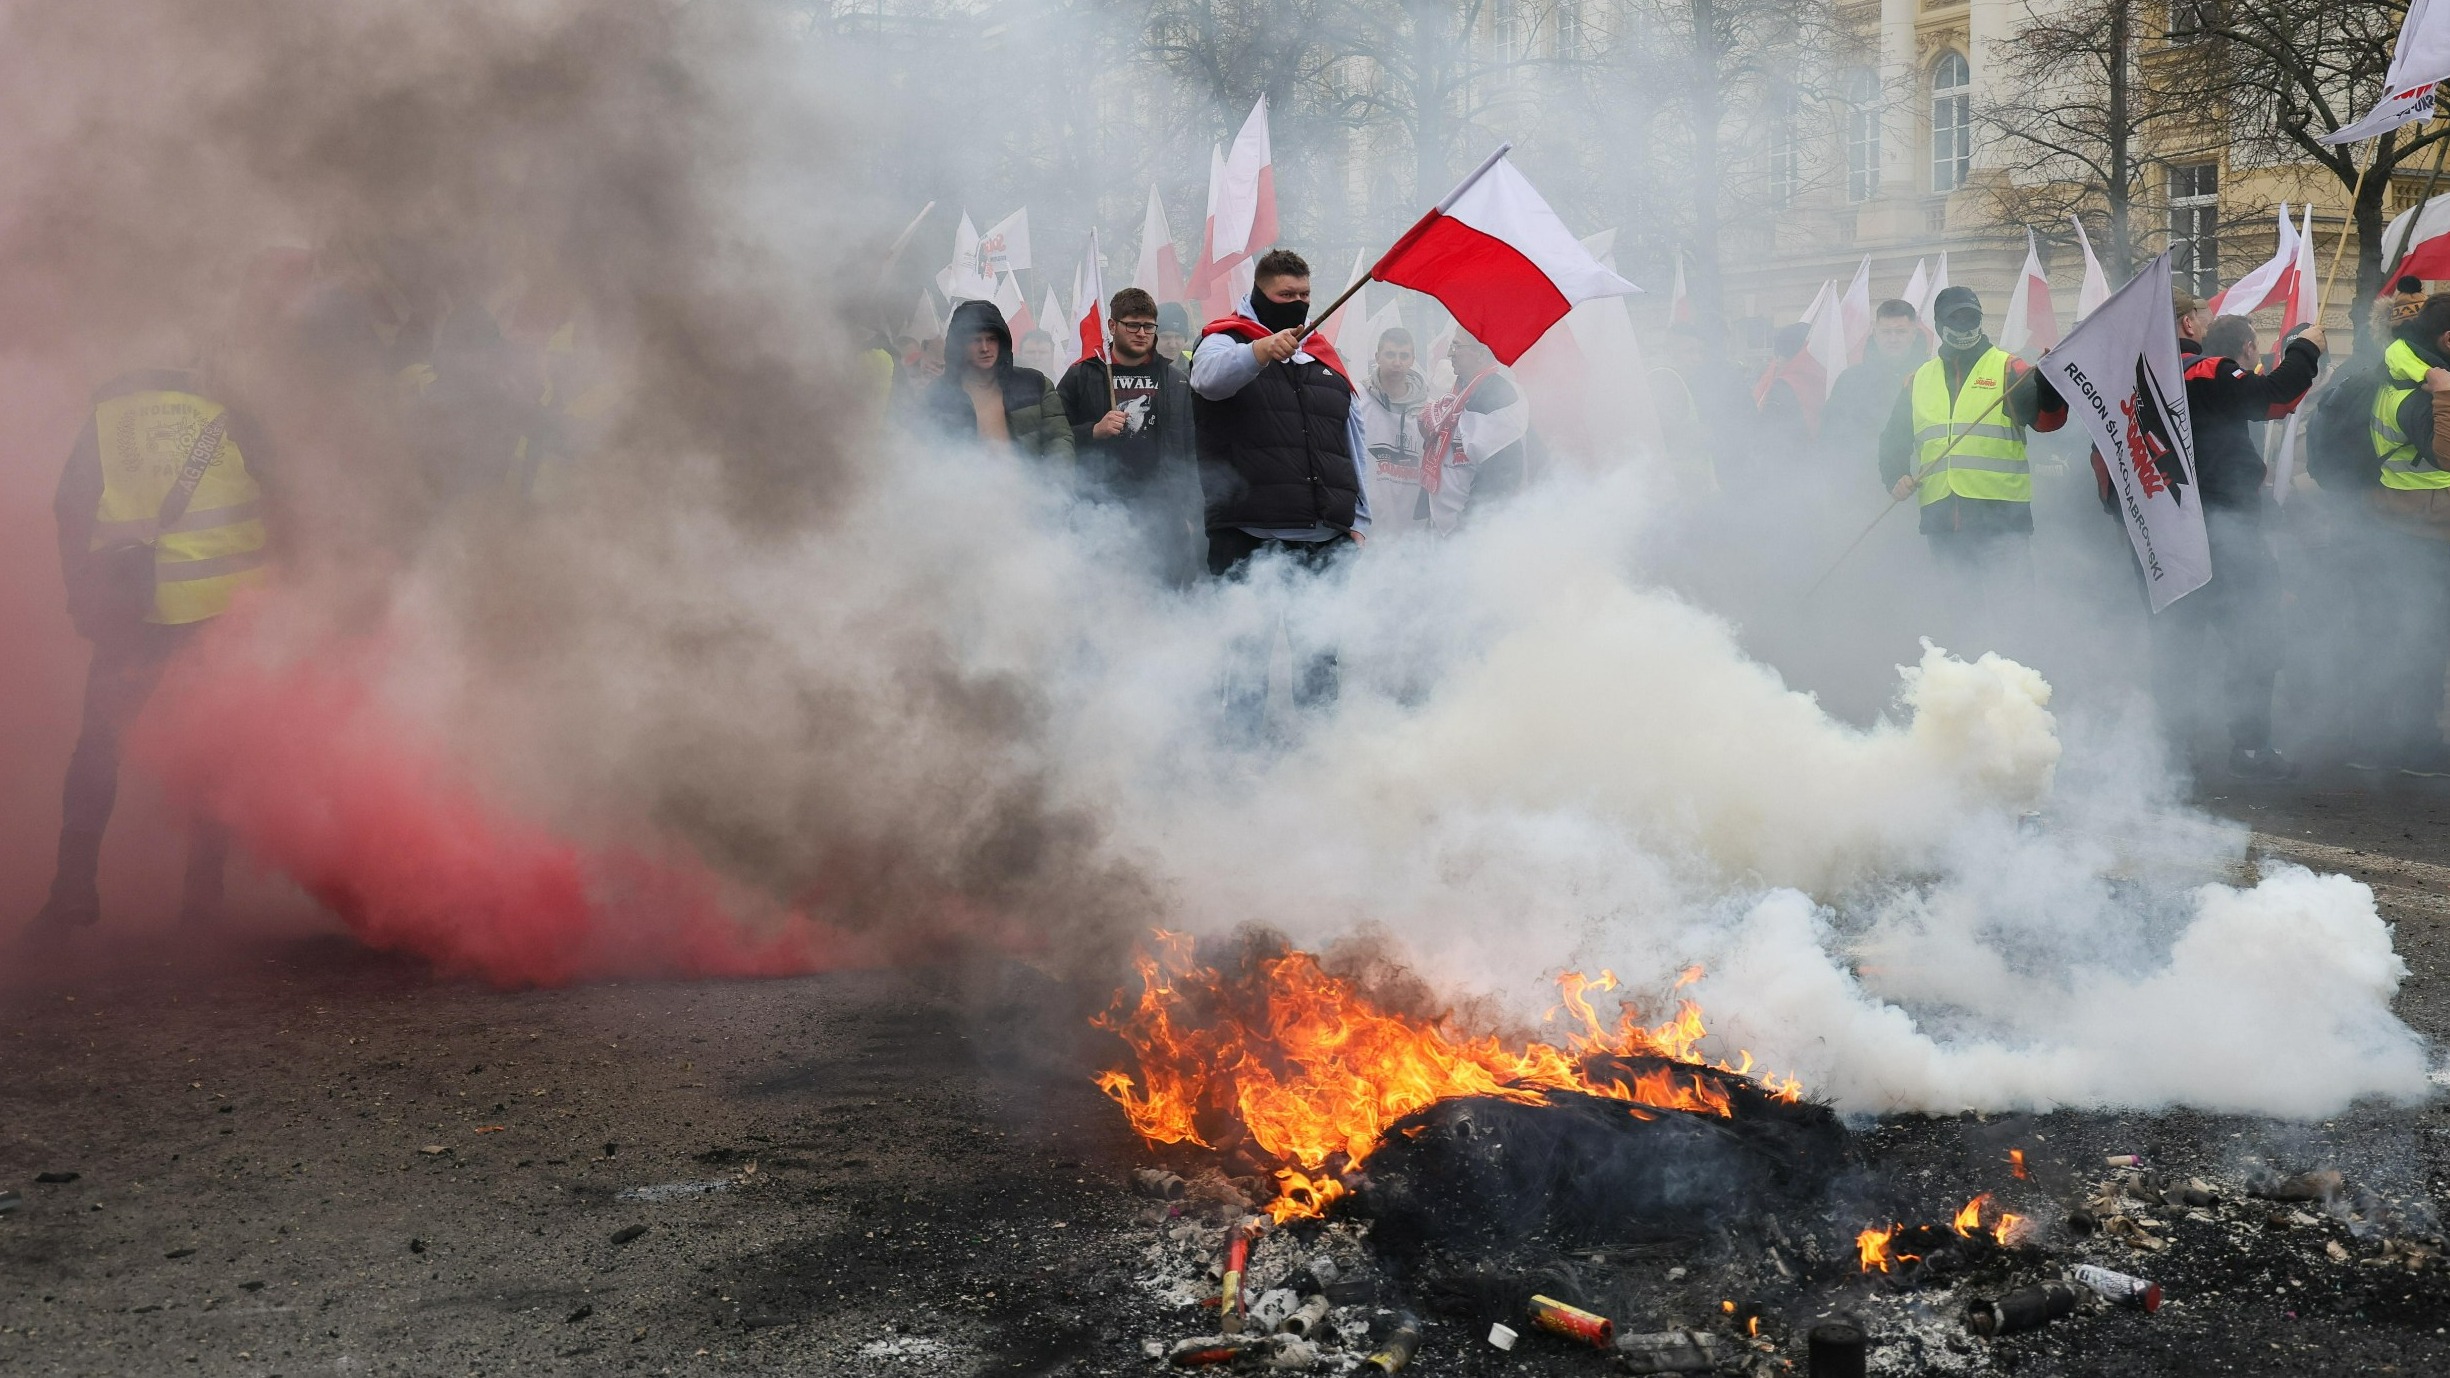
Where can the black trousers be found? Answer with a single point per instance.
(126, 666)
(2235, 617)
(1316, 674)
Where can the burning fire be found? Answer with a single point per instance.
(1309, 1069)
(2016, 1163)
(2007, 1228)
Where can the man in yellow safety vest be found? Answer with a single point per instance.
(2412, 538)
(161, 523)
(1956, 440)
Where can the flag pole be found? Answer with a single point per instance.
(1921, 471)
(1311, 327)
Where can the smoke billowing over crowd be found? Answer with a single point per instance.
(737, 669)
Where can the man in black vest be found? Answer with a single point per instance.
(1280, 447)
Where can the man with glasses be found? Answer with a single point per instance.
(1131, 429)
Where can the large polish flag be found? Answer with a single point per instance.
(1241, 211)
(1499, 259)
(2421, 238)
(1856, 307)
(2096, 288)
(2032, 324)
(2267, 283)
(1159, 271)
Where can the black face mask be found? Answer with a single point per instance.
(1278, 315)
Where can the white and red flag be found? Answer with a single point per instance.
(1931, 293)
(1918, 294)
(2303, 307)
(2421, 59)
(1241, 212)
(1008, 299)
(2032, 324)
(2420, 238)
(2096, 287)
(1054, 321)
(1679, 303)
(962, 279)
(1856, 311)
(1089, 307)
(2118, 370)
(2269, 282)
(1499, 259)
(1159, 271)
(2302, 284)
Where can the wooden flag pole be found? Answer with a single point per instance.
(2347, 225)
(1311, 327)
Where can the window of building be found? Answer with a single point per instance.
(1785, 151)
(1952, 122)
(1506, 21)
(2191, 19)
(2194, 226)
(1862, 134)
(1569, 29)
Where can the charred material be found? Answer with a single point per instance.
(1582, 1170)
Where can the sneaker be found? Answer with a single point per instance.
(2261, 763)
(2427, 762)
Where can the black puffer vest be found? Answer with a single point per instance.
(1273, 456)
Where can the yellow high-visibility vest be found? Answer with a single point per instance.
(217, 546)
(1988, 461)
(2402, 466)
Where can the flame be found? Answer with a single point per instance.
(1873, 1245)
(2010, 1228)
(2016, 1162)
(1753, 1326)
(1308, 1068)
(1969, 1220)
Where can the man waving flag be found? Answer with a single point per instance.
(1499, 259)
(2118, 370)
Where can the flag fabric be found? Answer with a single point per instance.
(2421, 59)
(1008, 299)
(962, 279)
(2096, 288)
(2304, 281)
(1089, 306)
(1499, 259)
(1918, 296)
(1820, 302)
(1679, 303)
(2269, 282)
(1241, 212)
(1004, 248)
(1856, 310)
(1353, 314)
(2118, 370)
(1058, 323)
(1827, 342)
(926, 322)
(2032, 324)
(2420, 239)
(1159, 271)
(1931, 293)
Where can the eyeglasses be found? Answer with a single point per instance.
(1135, 325)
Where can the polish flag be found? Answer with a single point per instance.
(2265, 284)
(2300, 306)
(1089, 306)
(1827, 342)
(1855, 310)
(1350, 319)
(1203, 271)
(2421, 240)
(1918, 293)
(1679, 303)
(2096, 288)
(1008, 299)
(1499, 259)
(1159, 271)
(1939, 284)
(1051, 316)
(2032, 325)
(1241, 209)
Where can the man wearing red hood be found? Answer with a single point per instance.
(1280, 455)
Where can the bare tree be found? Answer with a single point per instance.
(2283, 74)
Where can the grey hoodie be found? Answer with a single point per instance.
(1391, 425)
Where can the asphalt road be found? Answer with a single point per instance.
(295, 1157)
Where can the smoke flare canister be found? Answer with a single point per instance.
(2026, 1308)
(2121, 1289)
(1669, 1351)
(1836, 1350)
(1229, 1297)
(1502, 1335)
(1572, 1322)
(1306, 1317)
(1399, 1348)
(2124, 1159)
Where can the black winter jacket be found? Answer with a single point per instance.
(2222, 400)
(1273, 456)
(1084, 395)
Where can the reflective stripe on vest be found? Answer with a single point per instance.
(2402, 466)
(1988, 458)
(217, 546)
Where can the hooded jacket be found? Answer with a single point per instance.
(1032, 411)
